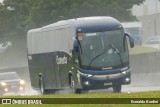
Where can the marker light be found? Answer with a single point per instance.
(22, 82)
(87, 83)
(124, 72)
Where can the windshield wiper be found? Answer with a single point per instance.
(96, 58)
(105, 50)
(117, 53)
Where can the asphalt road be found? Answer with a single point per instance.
(157, 46)
(140, 83)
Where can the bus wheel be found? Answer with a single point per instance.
(117, 88)
(73, 86)
(78, 91)
(41, 85)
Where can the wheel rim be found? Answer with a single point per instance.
(41, 85)
(72, 83)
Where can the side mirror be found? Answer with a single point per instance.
(131, 40)
(75, 45)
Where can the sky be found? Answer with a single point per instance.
(1, 0)
(148, 7)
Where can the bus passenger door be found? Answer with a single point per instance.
(64, 61)
(56, 70)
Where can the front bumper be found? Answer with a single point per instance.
(105, 81)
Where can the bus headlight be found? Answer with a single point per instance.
(3, 84)
(86, 75)
(124, 72)
(22, 82)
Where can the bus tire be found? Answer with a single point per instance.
(78, 91)
(85, 91)
(117, 88)
(41, 85)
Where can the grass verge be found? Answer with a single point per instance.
(153, 94)
(141, 49)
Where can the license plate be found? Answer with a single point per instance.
(109, 83)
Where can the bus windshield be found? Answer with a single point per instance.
(106, 49)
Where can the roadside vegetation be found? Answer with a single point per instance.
(141, 49)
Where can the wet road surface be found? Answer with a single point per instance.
(140, 83)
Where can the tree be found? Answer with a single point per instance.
(30, 14)
(6, 22)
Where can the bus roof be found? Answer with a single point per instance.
(84, 22)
